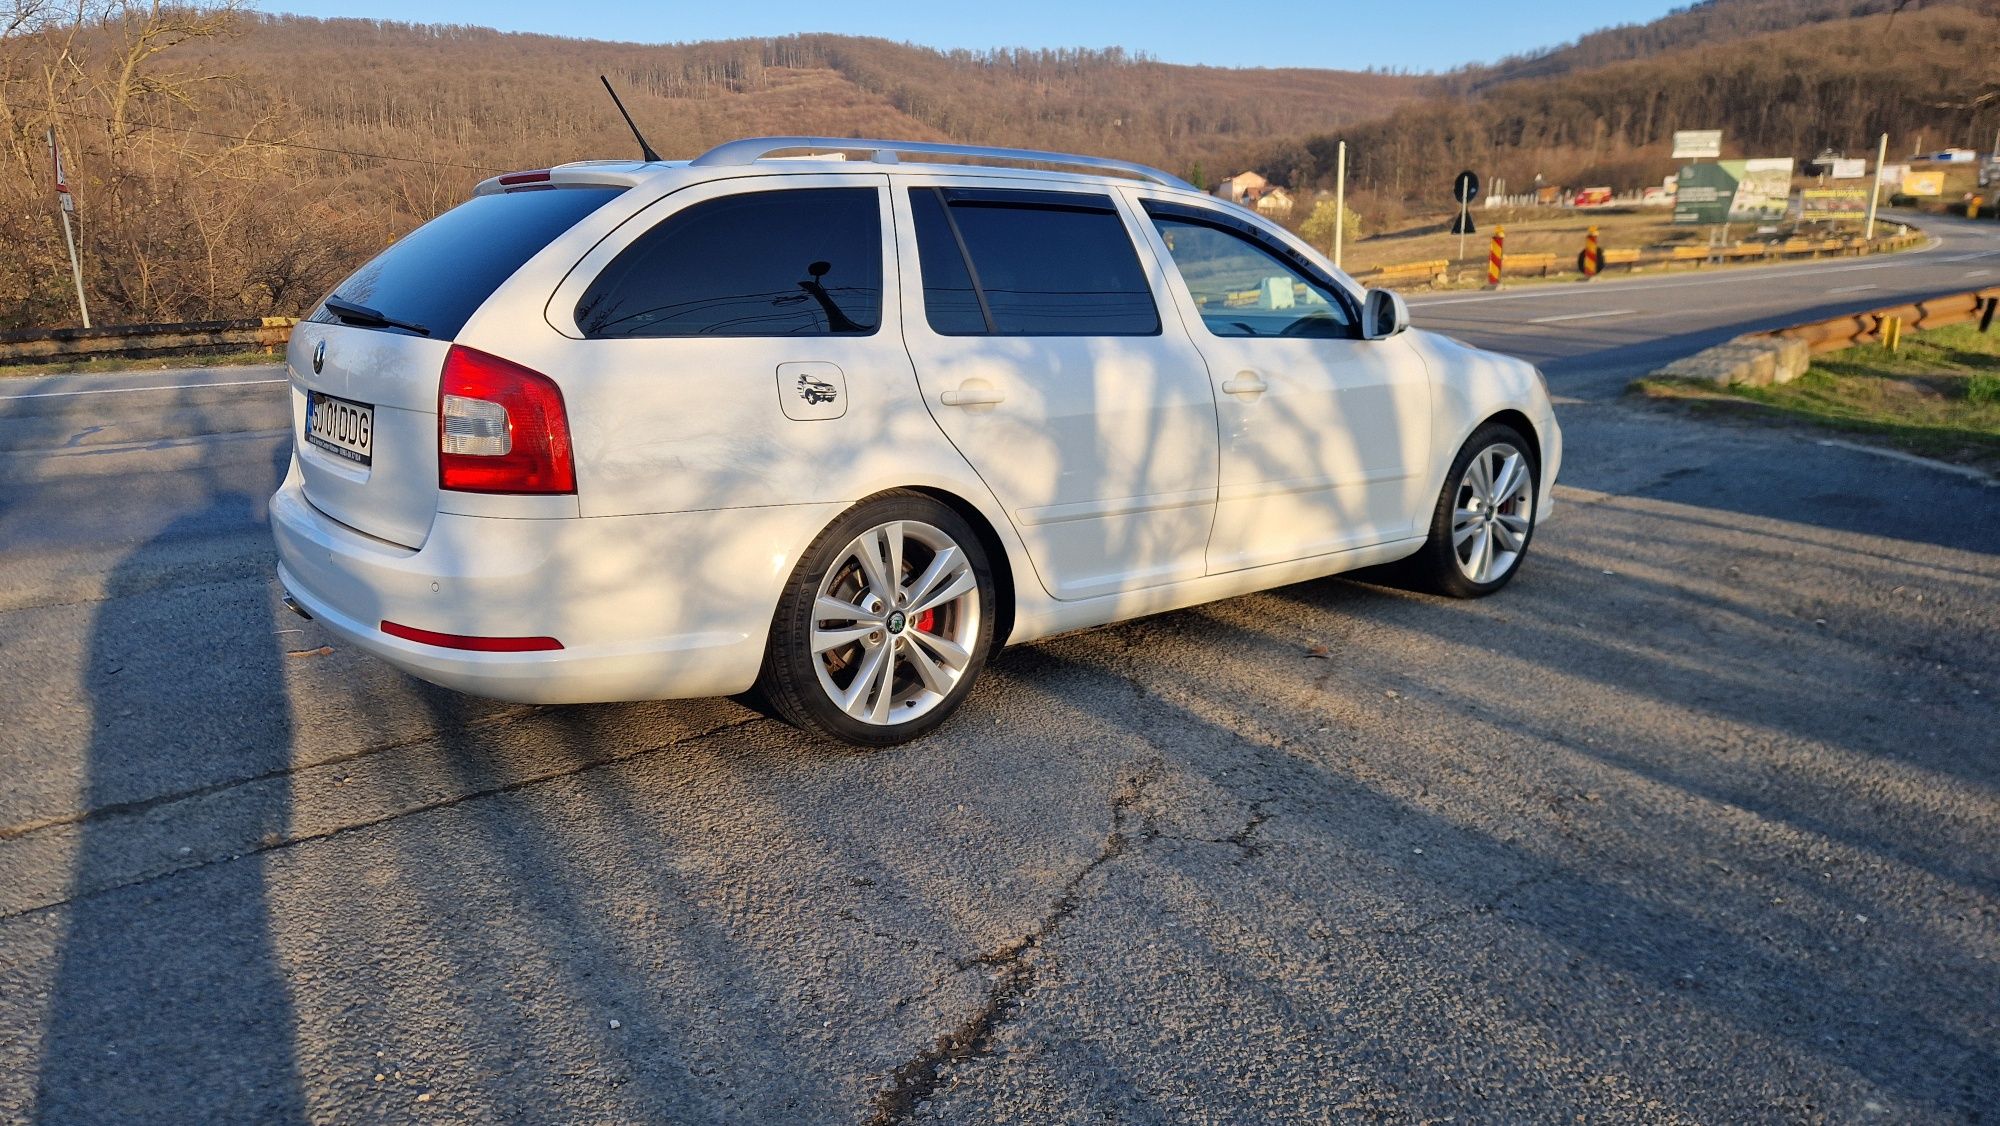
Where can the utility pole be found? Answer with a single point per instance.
(1875, 197)
(1341, 201)
(67, 206)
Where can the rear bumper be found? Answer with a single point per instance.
(646, 607)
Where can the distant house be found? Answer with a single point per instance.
(1274, 201)
(1242, 187)
(1252, 190)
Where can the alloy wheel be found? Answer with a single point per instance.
(894, 622)
(1492, 512)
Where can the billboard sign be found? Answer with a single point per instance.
(1849, 169)
(1734, 190)
(1592, 197)
(1832, 204)
(1923, 183)
(1698, 144)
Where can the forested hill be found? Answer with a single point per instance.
(1932, 75)
(1712, 22)
(513, 99)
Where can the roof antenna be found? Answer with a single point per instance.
(645, 150)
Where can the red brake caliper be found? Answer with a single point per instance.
(927, 621)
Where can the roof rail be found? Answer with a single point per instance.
(751, 149)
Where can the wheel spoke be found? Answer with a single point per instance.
(949, 653)
(1480, 476)
(868, 553)
(943, 565)
(1484, 571)
(828, 609)
(1513, 475)
(960, 583)
(878, 712)
(870, 669)
(892, 535)
(825, 639)
(1509, 539)
(1515, 524)
(935, 676)
(1464, 524)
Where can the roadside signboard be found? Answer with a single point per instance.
(1731, 190)
(1592, 197)
(1849, 169)
(1923, 183)
(1465, 189)
(1697, 144)
(1829, 204)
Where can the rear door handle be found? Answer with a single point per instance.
(1245, 383)
(973, 397)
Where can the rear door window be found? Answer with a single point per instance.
(1029, 263)
(438, 274)
(793, 262)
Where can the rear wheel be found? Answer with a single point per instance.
(1485, 516)
(884, 625)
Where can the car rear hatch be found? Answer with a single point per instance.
(365, 366)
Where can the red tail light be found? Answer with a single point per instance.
(501, 428)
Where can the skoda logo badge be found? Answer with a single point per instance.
(319, 356)
(896, 622)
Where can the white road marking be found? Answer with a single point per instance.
(1977, 273)
(1970, 257)
(1854, 289)
(1964, 471)
(159, 387)
(1583, 316)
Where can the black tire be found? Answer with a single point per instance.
(797, 683)
(1437, 566)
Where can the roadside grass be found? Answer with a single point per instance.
(1939, 395)
(150, 363)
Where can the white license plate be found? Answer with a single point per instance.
(340, 427)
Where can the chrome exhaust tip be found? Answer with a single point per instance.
(292, 604)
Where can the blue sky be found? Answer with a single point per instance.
(1344, 34)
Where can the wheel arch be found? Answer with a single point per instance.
(1515, 419)
(996, 552)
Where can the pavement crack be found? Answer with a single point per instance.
(1013, 973)
(110, 810)
(280, 844)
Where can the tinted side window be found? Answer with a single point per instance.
(804, 262)
(439, 273)
(1040, 264)
(1244, 289)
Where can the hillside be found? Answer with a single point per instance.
(1837, 84)
(1712, 22)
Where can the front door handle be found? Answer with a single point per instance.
(973, 397)
(1245, 383)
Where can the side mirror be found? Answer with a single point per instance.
(1383, 315)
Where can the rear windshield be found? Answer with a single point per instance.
(436, 275)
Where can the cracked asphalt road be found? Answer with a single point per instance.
(1694, 823)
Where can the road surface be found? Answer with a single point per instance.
(1694, 823)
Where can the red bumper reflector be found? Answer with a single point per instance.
(471, 644)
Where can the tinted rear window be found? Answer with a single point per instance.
(439, 273)
(791, 262)
(1041, 264)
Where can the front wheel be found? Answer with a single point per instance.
(1485, 516)
(884, 625)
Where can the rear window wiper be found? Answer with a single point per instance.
(354, 314)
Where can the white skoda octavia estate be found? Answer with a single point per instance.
(835, 427)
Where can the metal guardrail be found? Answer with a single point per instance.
(54, 345)
(1867, 328)
(1632, 258)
